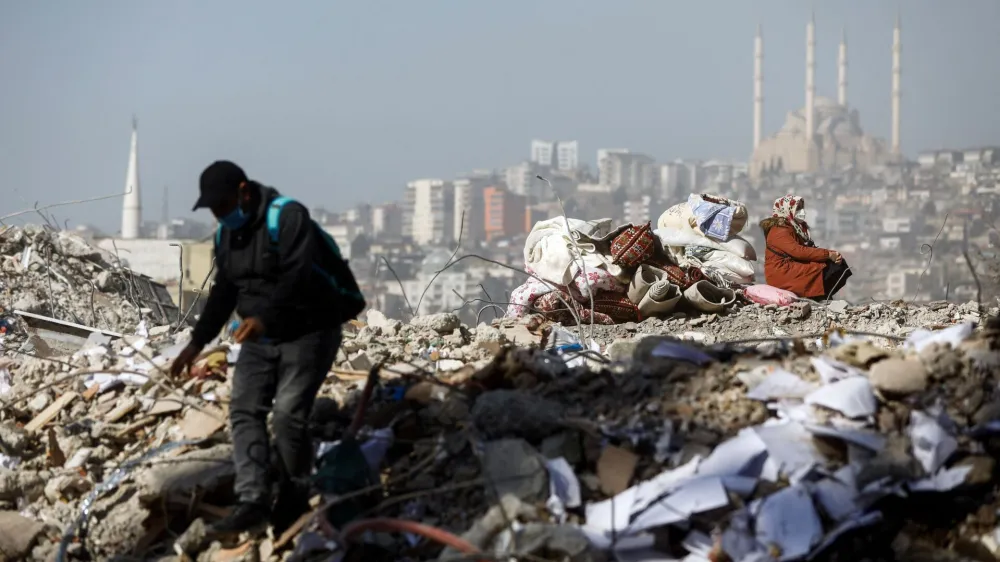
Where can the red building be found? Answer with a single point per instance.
(504, 213)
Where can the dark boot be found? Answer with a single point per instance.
(289, 507)
(245, 517)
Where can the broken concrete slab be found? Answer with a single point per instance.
(203, 469)
(17, 535)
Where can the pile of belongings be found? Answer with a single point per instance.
(594, 272)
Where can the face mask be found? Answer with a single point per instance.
(235, 219)
(800, 214)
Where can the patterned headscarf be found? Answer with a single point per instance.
(784, 208)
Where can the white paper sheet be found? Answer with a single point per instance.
(563, 482)
(697, 496)
(867, 439)
(852, 397)
(742, 455)
(943, 481)
(664, 483)
(611, 515)
(932, 445)
(781, 384)
(831, 370)
(788, 520)
(837, 496)
(790, 446)
(953, 336)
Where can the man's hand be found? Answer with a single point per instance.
(250, 329)
(184, 359)
(835, 257)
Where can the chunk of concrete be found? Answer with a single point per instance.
(899, 376)
(17, 535)
(203, 469)
(514, 467)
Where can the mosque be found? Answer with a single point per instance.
(825, 134)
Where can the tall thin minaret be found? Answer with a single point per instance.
(758, 87)
(897, 52)
(132, 206)
(810, 79)
(842, 71)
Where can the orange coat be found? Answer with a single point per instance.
(789, 264)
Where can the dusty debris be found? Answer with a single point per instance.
(705, 437)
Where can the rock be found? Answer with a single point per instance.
(30, 303)
(17, 535)
(202, 469)
(490, 338)
(982, 471)
(66, 487)
(622, 350)
(565, 444)
(508, 413)
(514, 467)
(837, 307)
(14, 438)
(987, 413)
(443, 323)
(899, 376)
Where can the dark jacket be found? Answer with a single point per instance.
(788, 263)
(281, 288)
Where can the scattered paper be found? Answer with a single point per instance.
(790, 446)
(837, 496)
(864, 521)
(664, 483)
(952, 336)
(852, 397)
(867, 439)
(563, 482)
(831, 370)
(788, 521)
(781, 384)
(943, 481)
(742, 455)
(611, 515)
(932, 445)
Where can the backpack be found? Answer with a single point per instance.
(338, 273)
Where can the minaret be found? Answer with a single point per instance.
(810, 79)
(758, 87)
(132, 206)
(897, 51)
(842, 71)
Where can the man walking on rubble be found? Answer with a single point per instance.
(286, 280)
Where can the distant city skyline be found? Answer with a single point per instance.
(342, 104)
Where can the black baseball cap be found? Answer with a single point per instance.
(220, 180)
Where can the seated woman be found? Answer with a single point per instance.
(792, 261)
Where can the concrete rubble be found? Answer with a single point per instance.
(823, 431)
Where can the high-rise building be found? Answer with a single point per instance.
(563, 155)
(632, 171)
(504, 213)
(468, 208)
(567, 156)
(521, 177)
(431, 211)
(387, 221)
(542, 152)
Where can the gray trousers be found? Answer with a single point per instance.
(283, 378)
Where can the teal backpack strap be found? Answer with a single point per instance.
(273, 216)
(218, 237)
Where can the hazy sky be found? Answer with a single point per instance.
(335, 102)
